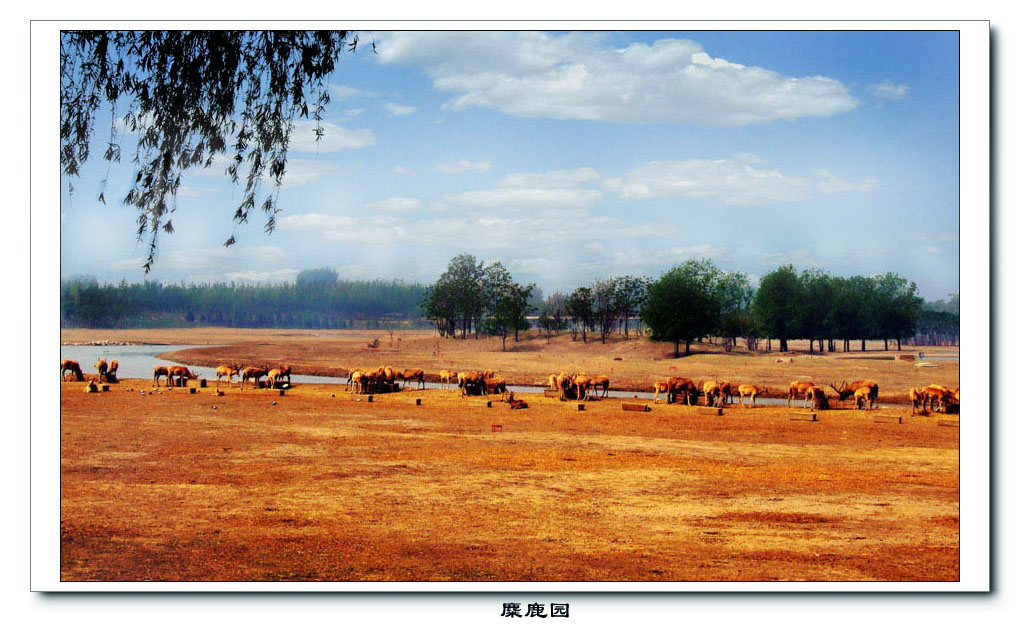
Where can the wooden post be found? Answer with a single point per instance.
(641, 408)
(106, 388)
(192, 390)
(369, 398)
(710, 410)
(803, 417)
(488, 404)
(550, 392)
(203, 383)
(417, 402)
(580, 406)
(497, 427)
(888, 419)
(282, 391)
(946, 423)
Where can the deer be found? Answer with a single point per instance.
(752, 391)
(861, 395)
(847, 390)
(816, 394)
(678, 385)
(712, 392)
(111, 373)
(181, 374)
(727, 388)
(446, 378)
(917, 400)
(72, 367)
(582, 383)
(228, 371)
(101, 368)
(798, 388)
(158, 372)
(414, 374)
(601, 382)
(253, 373)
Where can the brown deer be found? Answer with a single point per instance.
(253, 373)
(847, 390)
(797, 389)
(752, 391)
(712, 392)
(446, 378)
(72, 367)
(601, 382)
(158, 372)
(470, 382)
(111, 373)
(917, 400)
(727, 388)
(861, 395)
(181, 375)
(228, 371)
(685, 387)
(582, 383)
(414, 374)
(101, 368)
(816, 394)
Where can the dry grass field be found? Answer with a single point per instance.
(315, 486)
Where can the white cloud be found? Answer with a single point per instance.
(550, 180)
(889, 91)
(525, 198)
(799, 257)
(462, 165)
(578, 76)
(263, 276)
(830, 183)
(732, 181)
(395, 109)
(522, 231)
(396, 205)
(190, 192)
(640, 257)
(221, 257)
(335, 138)
(345, 92)
(303, 172)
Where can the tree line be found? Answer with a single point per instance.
(690, 302)
(318, 299)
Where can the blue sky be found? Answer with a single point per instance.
(572, 156)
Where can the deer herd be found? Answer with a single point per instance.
(576, 386)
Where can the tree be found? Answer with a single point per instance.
(508, 303)
(896, 308)
(818, 304)
(319, 277)
(605, 309)
(734, 292)
(777, 304)
(630, 296)
(192, 96)
(683, 304)
(579, 308)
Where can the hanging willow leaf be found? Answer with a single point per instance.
(192, 96)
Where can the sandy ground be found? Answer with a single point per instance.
(319, 486)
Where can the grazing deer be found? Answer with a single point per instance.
(101, 368)
(495, 385)
(414, 374)
(682, 385)
(816, 394)
(847, 390)
(727, 388)
(274, 377)
(158, 372)
(582, 383)
(469, 382)
(797, 389)
(937, 397)
(601, 382)
(72, 367)
(228, 371)
(712, 392)
(752, 391)
(181, 375)
(446, 378)
(253, 373)
(861, 395)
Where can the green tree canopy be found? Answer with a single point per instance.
(777, 305)
(683, 304)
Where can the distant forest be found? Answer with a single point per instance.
(318, 299)
(688, 303)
